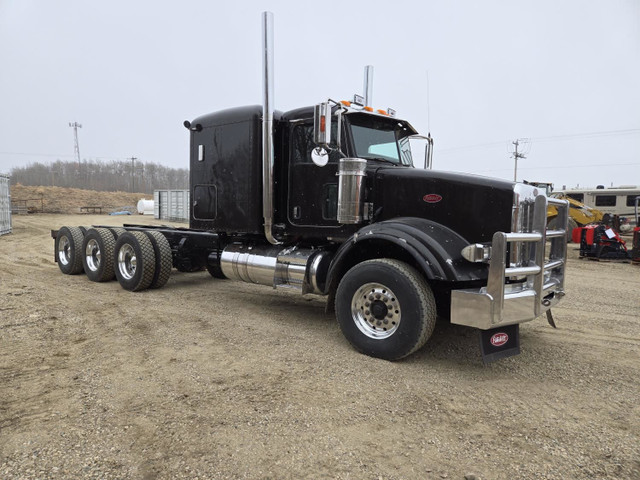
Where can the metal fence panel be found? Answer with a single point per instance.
(172, 205)
(5, 205)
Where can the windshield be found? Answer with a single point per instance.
(381, 140)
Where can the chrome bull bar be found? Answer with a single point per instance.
(520, 293)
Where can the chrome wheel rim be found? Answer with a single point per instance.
(64, 250)
(127, 261)
(376, 311)
(92, 255)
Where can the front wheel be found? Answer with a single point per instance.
(385, 308)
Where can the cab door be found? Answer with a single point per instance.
(313, 190)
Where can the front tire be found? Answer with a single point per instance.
(385, 308)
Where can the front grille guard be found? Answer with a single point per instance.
(544, 268)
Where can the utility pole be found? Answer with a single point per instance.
(76, 145)
(516, 154)
(133, 160)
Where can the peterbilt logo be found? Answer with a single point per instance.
(432, 198)
(499, 339)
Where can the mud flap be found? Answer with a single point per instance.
(499, 343)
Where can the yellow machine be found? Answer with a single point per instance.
(579, 214)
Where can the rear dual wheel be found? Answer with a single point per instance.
(98, 249)
(135, 261)
(142, 260)
(68, 250)
(163, 259)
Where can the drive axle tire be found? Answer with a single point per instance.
(385, 308)
(98, 247)
(164, 259)
(135, 261)
(117, 231)
(68, 250)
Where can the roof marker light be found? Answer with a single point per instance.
(346, 103)
(369, 109)
(382, 112)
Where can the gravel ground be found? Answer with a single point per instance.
(213, 379)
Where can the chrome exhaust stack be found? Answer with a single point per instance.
(267, 126)
(368, 85)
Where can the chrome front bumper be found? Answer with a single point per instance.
(535, 285)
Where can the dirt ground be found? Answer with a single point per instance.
(213, 379)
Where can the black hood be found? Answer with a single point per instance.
(474, 206)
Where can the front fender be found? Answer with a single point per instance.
(431, 247)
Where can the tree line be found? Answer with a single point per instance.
(106, 176)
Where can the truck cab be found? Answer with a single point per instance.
(355, 197)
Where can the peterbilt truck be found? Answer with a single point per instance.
(332, 200)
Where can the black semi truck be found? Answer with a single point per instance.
(327, 200)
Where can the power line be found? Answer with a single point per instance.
(61, 155)
(550, 138)
(555, 167)
(610, 133)
(38, 154)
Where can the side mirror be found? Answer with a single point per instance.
(418, 147)
(429, 153)
(322, 124)
(320, 156)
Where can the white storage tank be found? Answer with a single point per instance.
(145, 207)
(5, 205)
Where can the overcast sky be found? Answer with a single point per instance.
(564, 73)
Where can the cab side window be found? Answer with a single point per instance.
(302, 141)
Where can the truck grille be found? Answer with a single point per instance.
(531, 257)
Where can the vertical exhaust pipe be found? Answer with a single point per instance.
(267, 125)
(368, 85)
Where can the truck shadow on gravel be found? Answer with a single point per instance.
(449, 344)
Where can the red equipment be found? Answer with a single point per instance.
(599, 241)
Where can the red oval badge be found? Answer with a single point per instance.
(432, 198)
(499, 339)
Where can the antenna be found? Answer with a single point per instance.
(428, 106)
(76, 145)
